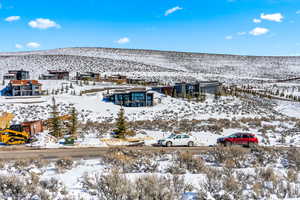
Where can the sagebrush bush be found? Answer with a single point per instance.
(116, 186)
(64, 164)
(235, 154)
(187, 162)
(131, 162)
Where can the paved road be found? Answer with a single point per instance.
(21, 152)
(26, 152)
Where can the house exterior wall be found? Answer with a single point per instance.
(25, 90)
(193, 89)
(33, 127)
(132, 99)
(20, 74)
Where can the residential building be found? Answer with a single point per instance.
(189, 89)
(55, 75)
(23, 88)
(119, 79)
(88, 76)
(194, 89)
(17, 75)
(138, 97)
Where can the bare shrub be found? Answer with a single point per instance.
(50, 184)
(232, 186)
(129, 161)
(64, 164)
(112, 186)
(294, 159)
(235, 154)
(292, 175)
(185, 161)
(2, 164)
(115, 186)
(16, 188)
(22, 163)
(154, 187)
(268, 175)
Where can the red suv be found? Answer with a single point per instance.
(247, 139)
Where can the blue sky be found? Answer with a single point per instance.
(252, 27)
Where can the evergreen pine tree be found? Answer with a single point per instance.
(121, 126)
(55, 125)
(73, 122)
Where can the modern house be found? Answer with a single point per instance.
(23, 88)
(119, 79)
(167, 90)
(137, 97)
(17, 75)
(189, 89)
(88, 76)
(55, 75)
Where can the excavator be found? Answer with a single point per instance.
(11, 134)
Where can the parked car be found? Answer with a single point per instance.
(177, 140)
(247, 139)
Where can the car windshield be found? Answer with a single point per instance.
(171, 136)
(232, 136)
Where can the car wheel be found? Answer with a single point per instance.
(190, 144)
(169, 144)
(228, 144)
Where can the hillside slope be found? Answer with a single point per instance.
(127, 60)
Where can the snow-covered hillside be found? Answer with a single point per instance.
(212, 66)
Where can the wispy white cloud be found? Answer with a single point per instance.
(12, 18)
(257, 21)
(276, 17)
(229, 37)
(33, 45)
(19, 46)
(42, 23)
(298, 12)
(123, 40)
(172, 10)
(259, 31)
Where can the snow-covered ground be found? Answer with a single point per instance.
(205, 120)
(215, 174)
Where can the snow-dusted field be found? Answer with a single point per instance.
(219, 173)
(275, 122)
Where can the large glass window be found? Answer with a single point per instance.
(138, 96)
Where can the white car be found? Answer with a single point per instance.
(177, 140)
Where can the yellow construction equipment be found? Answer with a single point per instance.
(14, 134)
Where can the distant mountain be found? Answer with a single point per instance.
(130, 60)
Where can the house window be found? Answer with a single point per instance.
(138, 96)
